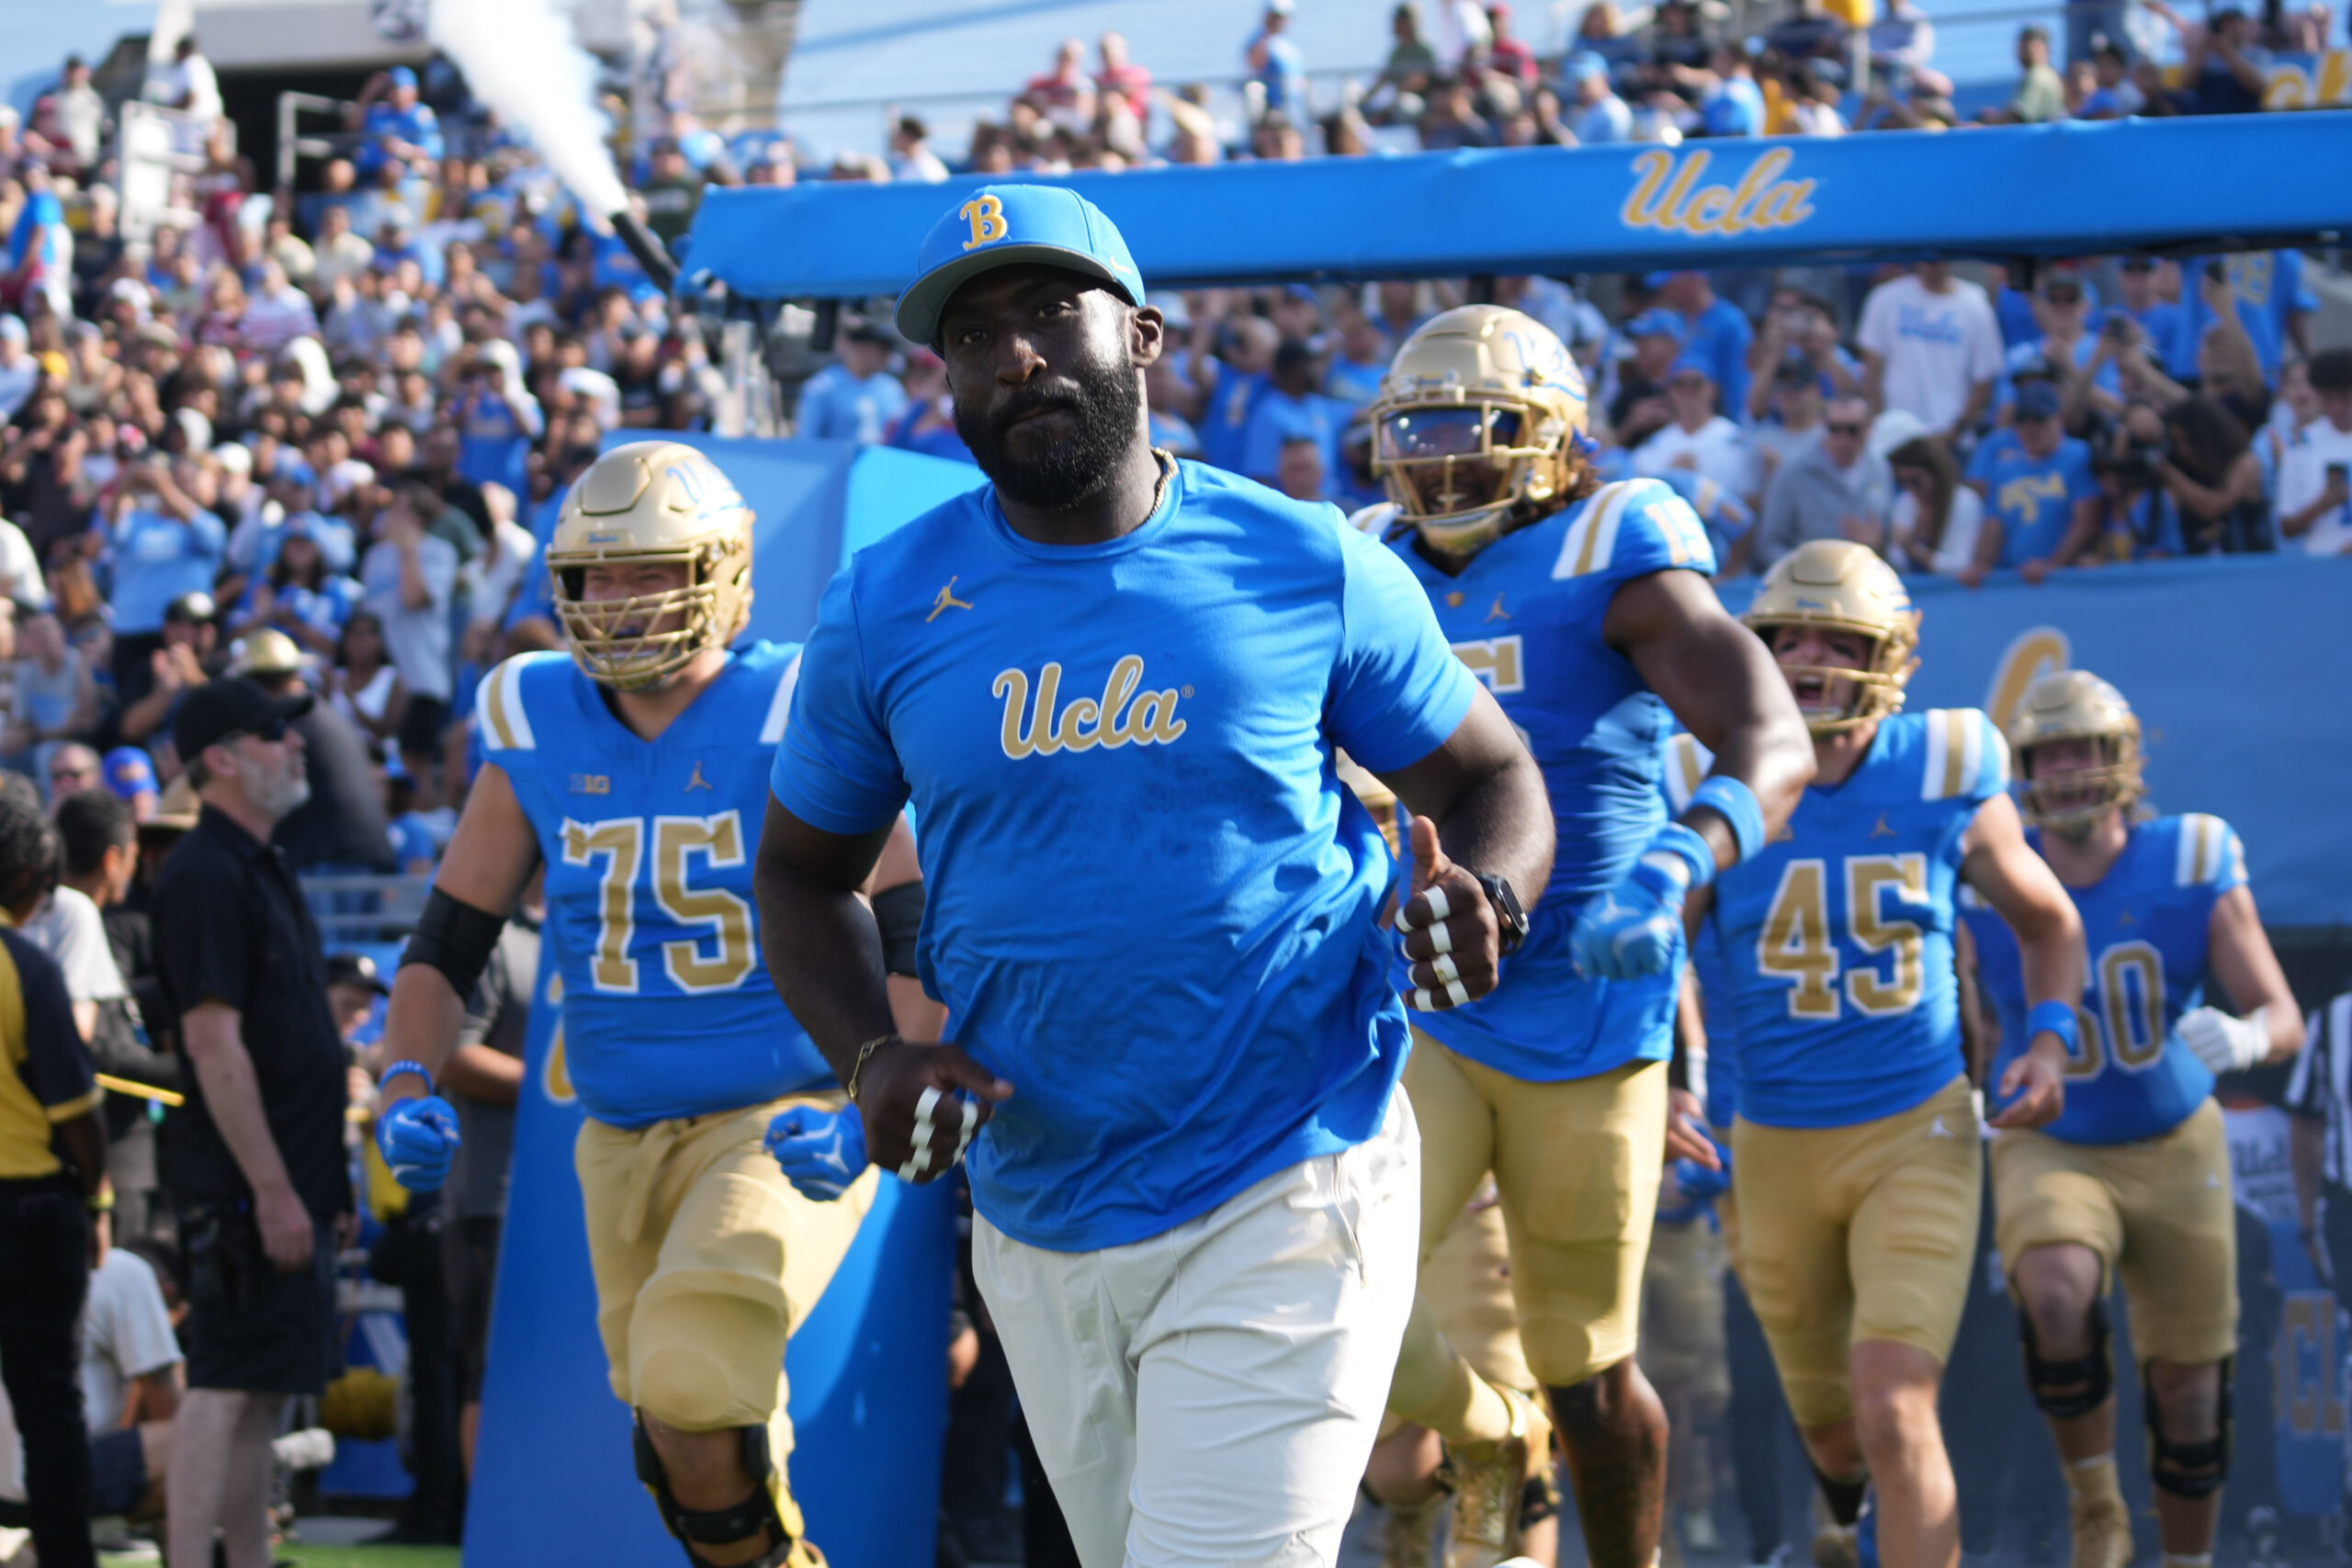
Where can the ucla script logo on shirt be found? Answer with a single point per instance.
(1125, 714)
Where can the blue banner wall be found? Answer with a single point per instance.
(815, 503)
(2240, 669)
(2027, 190)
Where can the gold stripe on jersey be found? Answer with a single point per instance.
(493, 705)
(1592, 538)
(1955, 745)
(2199, 855)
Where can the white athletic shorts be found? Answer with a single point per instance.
(1210, 1395)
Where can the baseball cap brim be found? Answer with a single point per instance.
(925, 301)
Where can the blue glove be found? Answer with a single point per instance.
(1699, 1184)
(821, 1152)
(1631, 930)
(417, 1139)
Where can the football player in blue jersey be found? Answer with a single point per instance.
(2134, 1180)
(635, 770)
(1856, 1154)
(1584, 607)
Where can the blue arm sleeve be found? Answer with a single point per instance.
(836, 769)
(1397, 692)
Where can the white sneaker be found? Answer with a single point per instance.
(312, 1448)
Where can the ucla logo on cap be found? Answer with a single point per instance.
(985, 215)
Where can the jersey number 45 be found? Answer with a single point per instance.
(1798, 946)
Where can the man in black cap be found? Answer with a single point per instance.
(340, 831)
(187, 654)
(255, 1157)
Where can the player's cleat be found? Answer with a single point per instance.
(1407, 1533)
(2102, 1531)
(1489, 1483)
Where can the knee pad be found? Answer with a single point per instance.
(689, 1353)
(766, 1513)
(2188, 1470)
(2068, 1389)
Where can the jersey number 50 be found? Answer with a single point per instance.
(1797, 945)
(2127, 1027)
(718, 957)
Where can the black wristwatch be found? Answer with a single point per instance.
(1507, 914)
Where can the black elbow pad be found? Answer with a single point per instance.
(455, 938)
(899, 912)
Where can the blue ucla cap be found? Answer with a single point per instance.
(1012, 225)
(1655, 323)
(128, 772)
(400, 76)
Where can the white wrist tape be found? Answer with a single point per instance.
(918, 1161)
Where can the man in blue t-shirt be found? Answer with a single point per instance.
(2274, 305)
(855, 398)
(1713, 329)
(2040, 500)
(1292, 409)
(1114, 687)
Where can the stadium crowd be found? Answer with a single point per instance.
(320, 439)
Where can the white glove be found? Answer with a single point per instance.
(2224, 1044)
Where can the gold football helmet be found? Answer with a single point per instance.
(1843, 586)
(652, 501)
(2074, 705)
(1480, 416)
(267, 651)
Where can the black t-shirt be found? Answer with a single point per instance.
(342, 823)
(231, 927)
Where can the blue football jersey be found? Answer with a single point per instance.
(1687, 762)
(667, 1009)
(1838, 935)
(2145, 925)
(1525, 616)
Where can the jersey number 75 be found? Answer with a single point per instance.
(714, 950)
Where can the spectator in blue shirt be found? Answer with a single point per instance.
(855, 398)
(1276, 64)
(1292, 409)
(2041, 503)
(164, 544)
(1597, 115)
(928, 422)
(1733, 104)
(1713, 329)
(2274, 305)
(394, 127)
(2158, 318)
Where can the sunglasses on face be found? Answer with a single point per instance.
(59, 776)
(2063, 296)
(270, 733)
(1836, 429)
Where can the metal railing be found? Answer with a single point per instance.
(364, 912)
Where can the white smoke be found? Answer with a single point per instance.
(520, 58)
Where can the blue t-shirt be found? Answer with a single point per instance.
(2159, 325)
(2037, 351)
(937, 441)
(412, 838)
(1721, 336)
(1223, 429)
(1278, 418)
(495, 441)
(2145, 926)
(323, 608)
(1152, 905)
(1838, 934)
(157, 558)
(837, 406)
(667, 1009)
(416, 125)
(2268, 288)
(1352, 383)
(1285, 77)
(1735, 109)
(2033, 497)
(1525, 616)
(42, 217)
